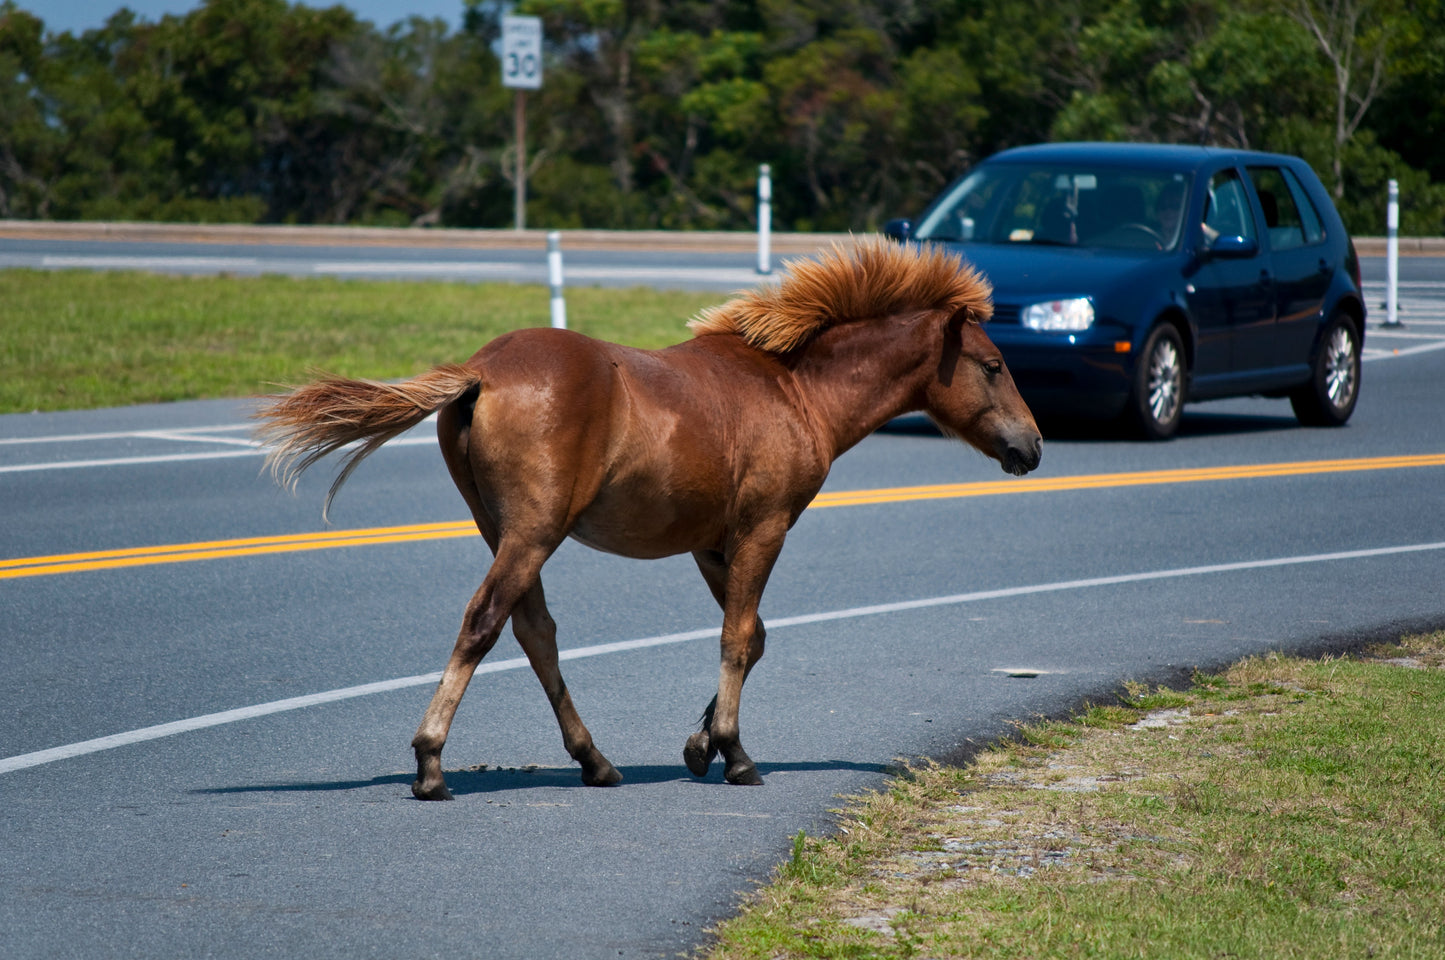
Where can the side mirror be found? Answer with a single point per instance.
(1233, 248)
(899, 230)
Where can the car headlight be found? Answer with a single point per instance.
(1075, 314)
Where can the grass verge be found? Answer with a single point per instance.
(1283, 808)
(78, 339)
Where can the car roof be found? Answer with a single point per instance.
(1168, 156)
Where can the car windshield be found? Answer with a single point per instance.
(1111, 208)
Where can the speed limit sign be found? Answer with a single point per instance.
(522, 52)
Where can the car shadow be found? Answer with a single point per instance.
(1203, 424)
(1195, 423)
(496, 779)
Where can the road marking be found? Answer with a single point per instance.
(427, 267)
(1405, 334)
(51, 755)
(127, 461)
(371, 536)
(533, 271)
(1107, 480)
(215, 549)
(252, 450)
(120, 434)
(1369, 353)
(153, 263)
(178, 436)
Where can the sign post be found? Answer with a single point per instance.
(1392, 256)
(522, 71)
(765, 217)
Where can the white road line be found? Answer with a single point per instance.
(739, 275)
(118, 434)
(251, 450)
(1369, 354)
(428, 267)
(40, 757)
(1405, 334)
(197, 438)
(154, 263)
(127, 461)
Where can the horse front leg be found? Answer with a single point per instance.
(698, 753)
(700, 750)
(512, 574)
(737, 583)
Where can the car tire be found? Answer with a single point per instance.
(1157, 402)
(1329, 397)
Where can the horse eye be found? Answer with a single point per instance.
(993, 367)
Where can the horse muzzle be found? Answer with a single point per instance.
(1018, 457)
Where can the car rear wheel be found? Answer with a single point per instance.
(1334, 386)
(1157, 402)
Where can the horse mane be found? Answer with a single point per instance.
(876, 278)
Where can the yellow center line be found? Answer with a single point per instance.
(325, 540)
(947, 491)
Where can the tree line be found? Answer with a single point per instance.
(656, 114)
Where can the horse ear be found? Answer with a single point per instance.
(960, 316)
(952, 345)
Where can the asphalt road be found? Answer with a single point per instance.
(667, 269)
(721, 270)
(895, 627)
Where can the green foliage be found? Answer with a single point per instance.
(1288, 809)
(77, 340)
(657, 115)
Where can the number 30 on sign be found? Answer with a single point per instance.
(522, 52)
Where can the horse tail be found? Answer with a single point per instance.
(305, 425)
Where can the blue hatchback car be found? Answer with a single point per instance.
(1133, 278)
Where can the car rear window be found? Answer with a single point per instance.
(1290, 219)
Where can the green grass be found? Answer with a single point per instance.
(75, 340)
(1284, 808)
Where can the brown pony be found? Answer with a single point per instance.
(711, 447)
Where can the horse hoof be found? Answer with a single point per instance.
(437, 791)
(604, 776)
(698, 753)
(743, 775)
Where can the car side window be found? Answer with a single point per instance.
(1282, 219)
(1309, 216)
(1226, 208)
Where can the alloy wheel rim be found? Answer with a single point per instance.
(1340, 369)
(1164, 378)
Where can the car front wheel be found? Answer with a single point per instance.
(1334, 385)
(1158, 399)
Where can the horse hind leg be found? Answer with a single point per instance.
(512, 575)
(537, 633)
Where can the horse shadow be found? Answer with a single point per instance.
(486, 779)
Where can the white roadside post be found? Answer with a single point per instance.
(765, 218)
(554, 279)
(522, 71)
(1392, 257)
